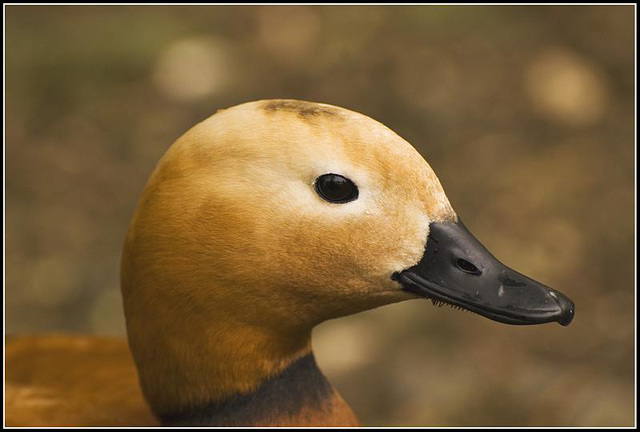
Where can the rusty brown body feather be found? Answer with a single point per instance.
(72, 381)
(92, 381)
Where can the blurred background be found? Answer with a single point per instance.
(526, 113)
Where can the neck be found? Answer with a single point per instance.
(298, 396)
(227, 373)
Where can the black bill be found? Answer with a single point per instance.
(456, 269)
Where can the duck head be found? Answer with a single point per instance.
(271, 217)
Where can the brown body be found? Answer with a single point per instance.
(92, 381)
(72, 381)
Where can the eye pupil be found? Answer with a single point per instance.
(336, 188)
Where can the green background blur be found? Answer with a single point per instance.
(525, 113)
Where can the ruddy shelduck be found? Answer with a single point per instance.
(258, 224)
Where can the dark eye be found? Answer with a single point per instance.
(336, 188)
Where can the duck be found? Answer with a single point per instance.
(259, 223)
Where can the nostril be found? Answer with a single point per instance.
(467, 267)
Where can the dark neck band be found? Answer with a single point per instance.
(301, 385)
